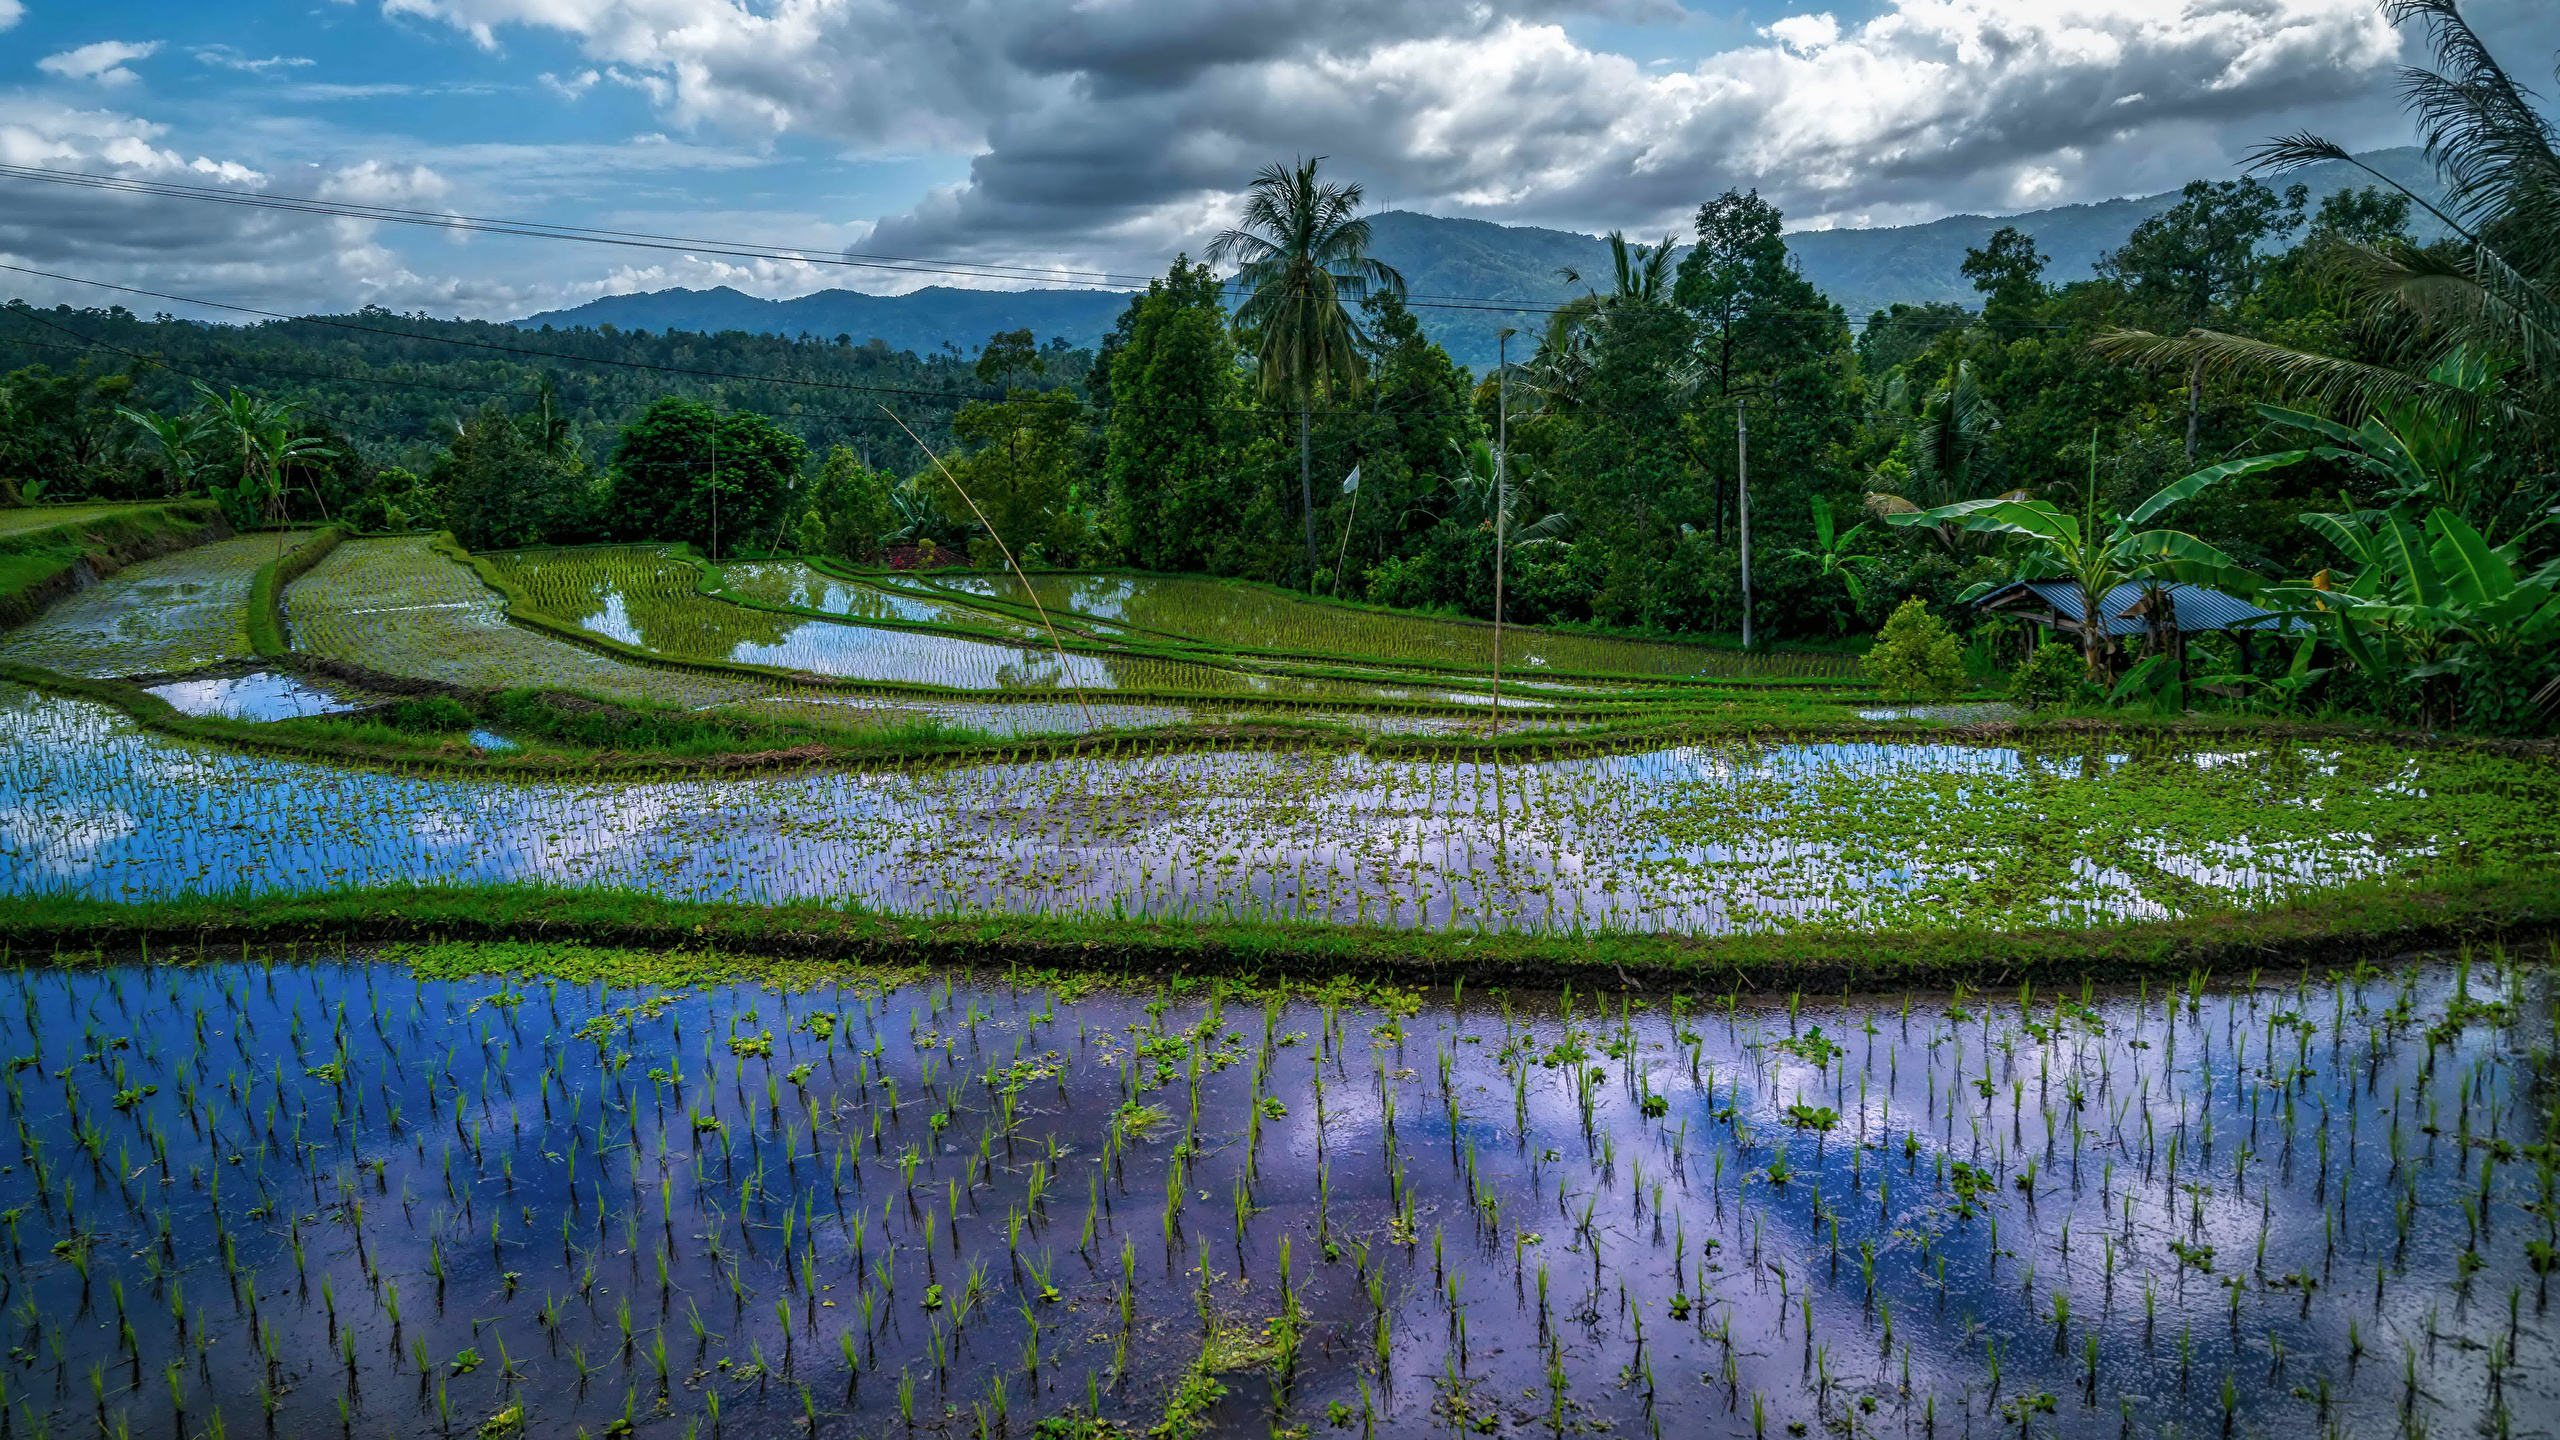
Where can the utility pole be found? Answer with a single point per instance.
(1501, 515)
(1742, 485)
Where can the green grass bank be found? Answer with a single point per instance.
(2337, 929)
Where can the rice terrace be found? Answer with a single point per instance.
(1389, 825)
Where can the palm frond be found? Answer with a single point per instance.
(2315, 381)
(2484, 136)
(2476, 297)
(1546, 528)
(2291, 152)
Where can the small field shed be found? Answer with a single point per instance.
(2127, 611)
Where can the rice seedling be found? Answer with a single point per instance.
(1900, 1188)
(160, 616)
(1842, 837)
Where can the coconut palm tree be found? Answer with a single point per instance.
(1639, 275)
(2495, 291)
(1302, 257)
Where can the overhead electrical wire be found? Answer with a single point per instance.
(1059, 280)
(947, 396)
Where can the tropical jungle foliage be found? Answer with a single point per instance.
(2377, 417)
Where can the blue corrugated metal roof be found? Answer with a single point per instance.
(2198, 608)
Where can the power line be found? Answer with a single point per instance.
(837, 385)
(1062, 280)
(237, 363)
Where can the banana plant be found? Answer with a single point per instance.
(176, 438)
(2430, 455)
(1830, 552)
(2099, 550)
(2423, 603)
(279, 448)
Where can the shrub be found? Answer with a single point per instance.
(1916, 657)
(2054, 674)
(430, 714)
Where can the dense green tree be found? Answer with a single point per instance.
(682, 471)
(1169, 473)
(1756, 316)
(502, 488)
(2202, 256)
(1019, 478)
(846, 511)
(1900, 332)
(1008, 356)
(59, 433)
(2009, 272)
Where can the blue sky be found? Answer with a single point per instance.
(1099, 134)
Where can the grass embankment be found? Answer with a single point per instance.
(672, 941)
(266, 588)
(43, 559)
(1136, 636)
(1351, 672)
(565, 732)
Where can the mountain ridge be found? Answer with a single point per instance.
(1446, 257)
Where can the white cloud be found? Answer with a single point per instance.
(229, 59)
(10, 13)
(372, 182)
(227, 252)
(1108, 133)
(1802, 33)
(1115, 129)
(102, 61)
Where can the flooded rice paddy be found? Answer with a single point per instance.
(1234, 613)
(791, 583)
(1702, 839)
(254, 695)
(543, 1191)
(158, 616)
(648, 597)
(397, 606)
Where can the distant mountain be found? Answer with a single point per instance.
(921, 320)
(1865, 270)
(1451, 267)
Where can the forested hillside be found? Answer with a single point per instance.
(1174, 445)
(1469, 262)
(395, 387)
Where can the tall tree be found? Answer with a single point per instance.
(1172, 378)
(1020, 471)
(504, 487)
(847, 510)
(2009, 272)
(2200, 259)
(1756, 314)
(1302, 256)
(2202, 256)
(684, 472)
